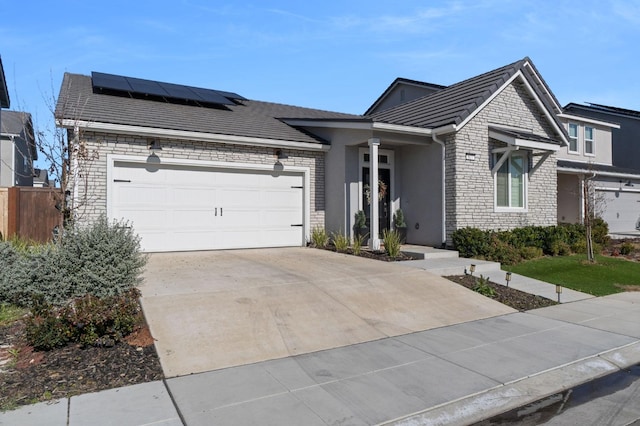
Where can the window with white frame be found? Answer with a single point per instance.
(588, 140)
(573, 137)
(510, 182)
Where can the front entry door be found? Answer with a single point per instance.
(383, 198)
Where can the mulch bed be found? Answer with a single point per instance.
(34, 376)
(506, 295)
(371, 254)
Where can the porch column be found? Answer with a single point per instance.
(374, 240)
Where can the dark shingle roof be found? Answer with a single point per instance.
(590, 167)
(4, 92)
(604, 108)
(20, 123)
(398, 81)
(249, 119)
(455, 103)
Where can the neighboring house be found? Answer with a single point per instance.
(40, 178)
(5, 102)
(604, 147)
(196, 169)
(17, 149)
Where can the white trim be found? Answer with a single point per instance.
(611, 189)
(572, 171)
(535, 74)
(136, 159)
(143, 131)
(572, 117)
(531, 92)
(402, 129)
(522, 143)
(525, 180)
(592, 140)
(577, 138)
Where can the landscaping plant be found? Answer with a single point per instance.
(391, 240)
(319, 237)
(340, 241)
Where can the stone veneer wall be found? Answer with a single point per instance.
(93, 201)
(470, 185)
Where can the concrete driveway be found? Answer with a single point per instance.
(211, 310)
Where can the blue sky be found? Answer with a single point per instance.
(334, 55)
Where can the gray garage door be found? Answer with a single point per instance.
(621, 210)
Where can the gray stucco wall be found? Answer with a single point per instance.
(13, 170)
(93, 185)
(420, 181)
(569, 198)
(470, 194)
(6, 162)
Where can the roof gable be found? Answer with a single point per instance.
(419, 89)
(455, 105)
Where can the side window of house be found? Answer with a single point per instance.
(510, 182)
(588, 140)
(573, 137)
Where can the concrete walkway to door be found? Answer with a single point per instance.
(211, 310)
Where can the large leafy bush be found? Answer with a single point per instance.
(103, 259)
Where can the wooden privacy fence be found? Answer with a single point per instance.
(29, 213)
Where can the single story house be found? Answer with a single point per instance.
(196, 169)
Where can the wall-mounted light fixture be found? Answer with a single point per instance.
(470, 156)
(154, 146)
(280, 155)
(629, 184)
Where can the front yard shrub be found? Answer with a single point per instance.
(319, 237)
(103, 259)
(599, 231)
(528, 253)
(392, 243)
(88, 320)
(471, 242)
(510, 247)
(626, 248)
(500, 251)
(340, 241)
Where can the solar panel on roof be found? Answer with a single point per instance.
(178, 92)
(109, 81)
(146, 87)
(211, 96)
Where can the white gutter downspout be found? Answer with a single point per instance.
(434, 136)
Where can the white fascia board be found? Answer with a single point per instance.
(533, 71)
(534, 95)
(190, 136)
(547, 113)
(522, 143)
(572, 117)
(598, 173)
(489, 99)
(397, 128)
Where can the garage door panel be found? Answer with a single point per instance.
(179, 208)
(621, 210)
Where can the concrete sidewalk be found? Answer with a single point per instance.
(447, 262)
(457, 374)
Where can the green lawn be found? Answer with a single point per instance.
(602, 278)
